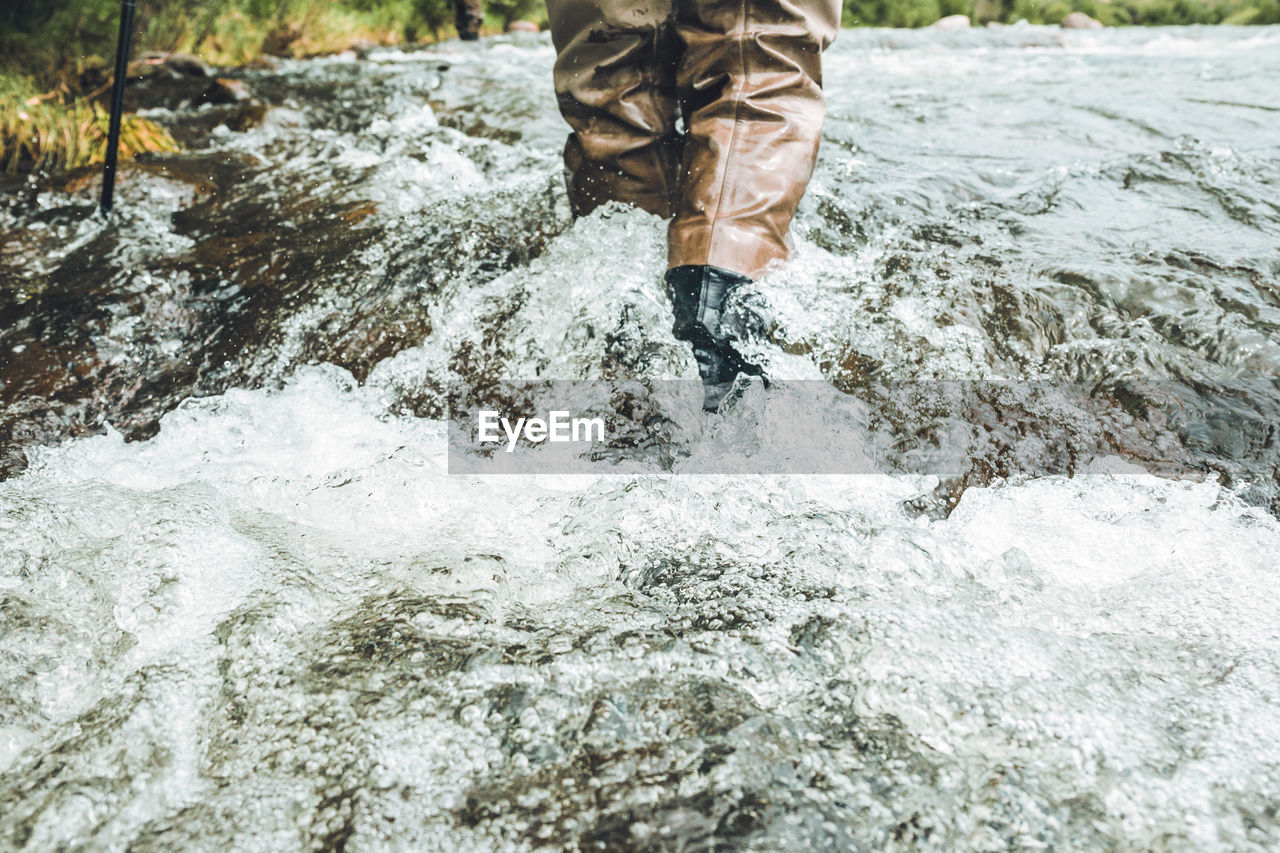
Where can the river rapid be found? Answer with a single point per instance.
(246, 606)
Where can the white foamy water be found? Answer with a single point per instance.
(285, 593)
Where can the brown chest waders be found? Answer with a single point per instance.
(746, 76)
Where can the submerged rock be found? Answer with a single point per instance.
(235, 106)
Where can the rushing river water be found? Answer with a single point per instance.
(268, 618)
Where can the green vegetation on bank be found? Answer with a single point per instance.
(49, 134)
(55, 54)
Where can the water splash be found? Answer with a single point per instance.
(285, 592)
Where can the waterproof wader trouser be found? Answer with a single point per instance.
(746, 77)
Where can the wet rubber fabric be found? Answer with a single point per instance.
(745, 76)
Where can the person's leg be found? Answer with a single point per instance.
(469, 17)
(615, 80)
(750, 84)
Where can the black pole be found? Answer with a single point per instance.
(117, 104)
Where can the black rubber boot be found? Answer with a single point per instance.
(698, 294)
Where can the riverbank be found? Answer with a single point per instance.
(55, 62)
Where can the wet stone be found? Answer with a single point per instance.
(179, 64)
(225, 90)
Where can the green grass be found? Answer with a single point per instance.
(51, 135)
